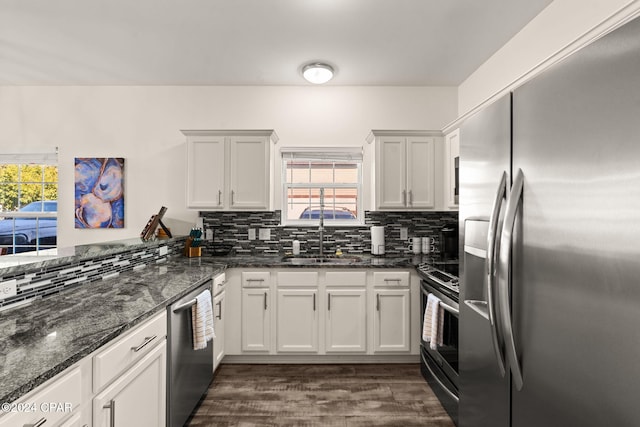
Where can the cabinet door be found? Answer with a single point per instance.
(346, 320)
(205, 172)
(138, 397)
(256, 325)
(420, 172)
(249, 172)
(452, 152)
(78, 419)
(49, 404)
(391, 320)
(391, 173)
(218, 325)
(297, 320)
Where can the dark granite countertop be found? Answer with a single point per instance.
(344, 261)
(42, 339)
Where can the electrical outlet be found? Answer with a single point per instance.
(8, 288)
(252, 234)
(404, 233)
(208, 234)
(163, 250)
(265, 234)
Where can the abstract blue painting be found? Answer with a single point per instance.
(99, 194)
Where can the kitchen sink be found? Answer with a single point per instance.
(303, 260)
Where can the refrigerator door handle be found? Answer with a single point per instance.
(490, 267)
(504, 277)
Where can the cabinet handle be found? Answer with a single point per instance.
(404, 197)
(314, 302)
(377, 302)
(37, 423)
(112, 412)
(147, 340)
(392, 280)
(219, 316)
(232, 194)
(219, 197)
(254, 280)
(329, 303)
(265, 301)
(411, 197)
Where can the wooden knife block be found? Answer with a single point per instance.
(190, 251)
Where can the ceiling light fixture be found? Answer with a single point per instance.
(317, 73)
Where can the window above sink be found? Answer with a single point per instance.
(306, 171)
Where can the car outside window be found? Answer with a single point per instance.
(28, 205)
(305, 173)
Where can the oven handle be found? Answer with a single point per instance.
(426, 290)
(450, 309)
(433, 374)
(504, 277)
(490, 267)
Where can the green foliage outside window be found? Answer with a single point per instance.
(23, 184)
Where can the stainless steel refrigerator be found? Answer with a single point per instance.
(550, 245)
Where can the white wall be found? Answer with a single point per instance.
(559, 29)
(142, 124)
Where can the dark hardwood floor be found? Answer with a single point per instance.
(320, 395)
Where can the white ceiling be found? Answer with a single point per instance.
(252, 42)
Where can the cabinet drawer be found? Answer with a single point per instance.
(391, 278)
(52, 403)
(219, 283)
(127, 350)
(349, 278)
(256, 279)
(297, 278)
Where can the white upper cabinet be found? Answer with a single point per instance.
(229, 170)
(205, 172)
(405, 170)
(452, 154)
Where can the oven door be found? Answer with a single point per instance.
(445, 355)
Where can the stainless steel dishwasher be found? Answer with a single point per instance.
(189, 371)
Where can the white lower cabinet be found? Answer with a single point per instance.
(346, 320)
(75, 421)
(290, 314)
(391, 320)
(136, 398)
(219, 313)
(297, 320)
(49, 404)
(256, 319)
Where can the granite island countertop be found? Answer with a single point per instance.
(42, 339)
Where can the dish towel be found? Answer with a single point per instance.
(433, 322)
(202, 320)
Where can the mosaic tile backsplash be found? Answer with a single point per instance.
(232, 228)
(43, 281)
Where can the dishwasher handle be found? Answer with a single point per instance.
(186, 305)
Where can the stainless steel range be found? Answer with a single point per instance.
(443, 274)
(439, 366)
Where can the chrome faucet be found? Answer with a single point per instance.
(321, 227)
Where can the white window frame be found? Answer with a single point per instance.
(46, 157)
(322, 154)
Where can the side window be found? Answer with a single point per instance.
(28, 203)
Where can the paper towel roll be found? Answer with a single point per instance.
(377, 240)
